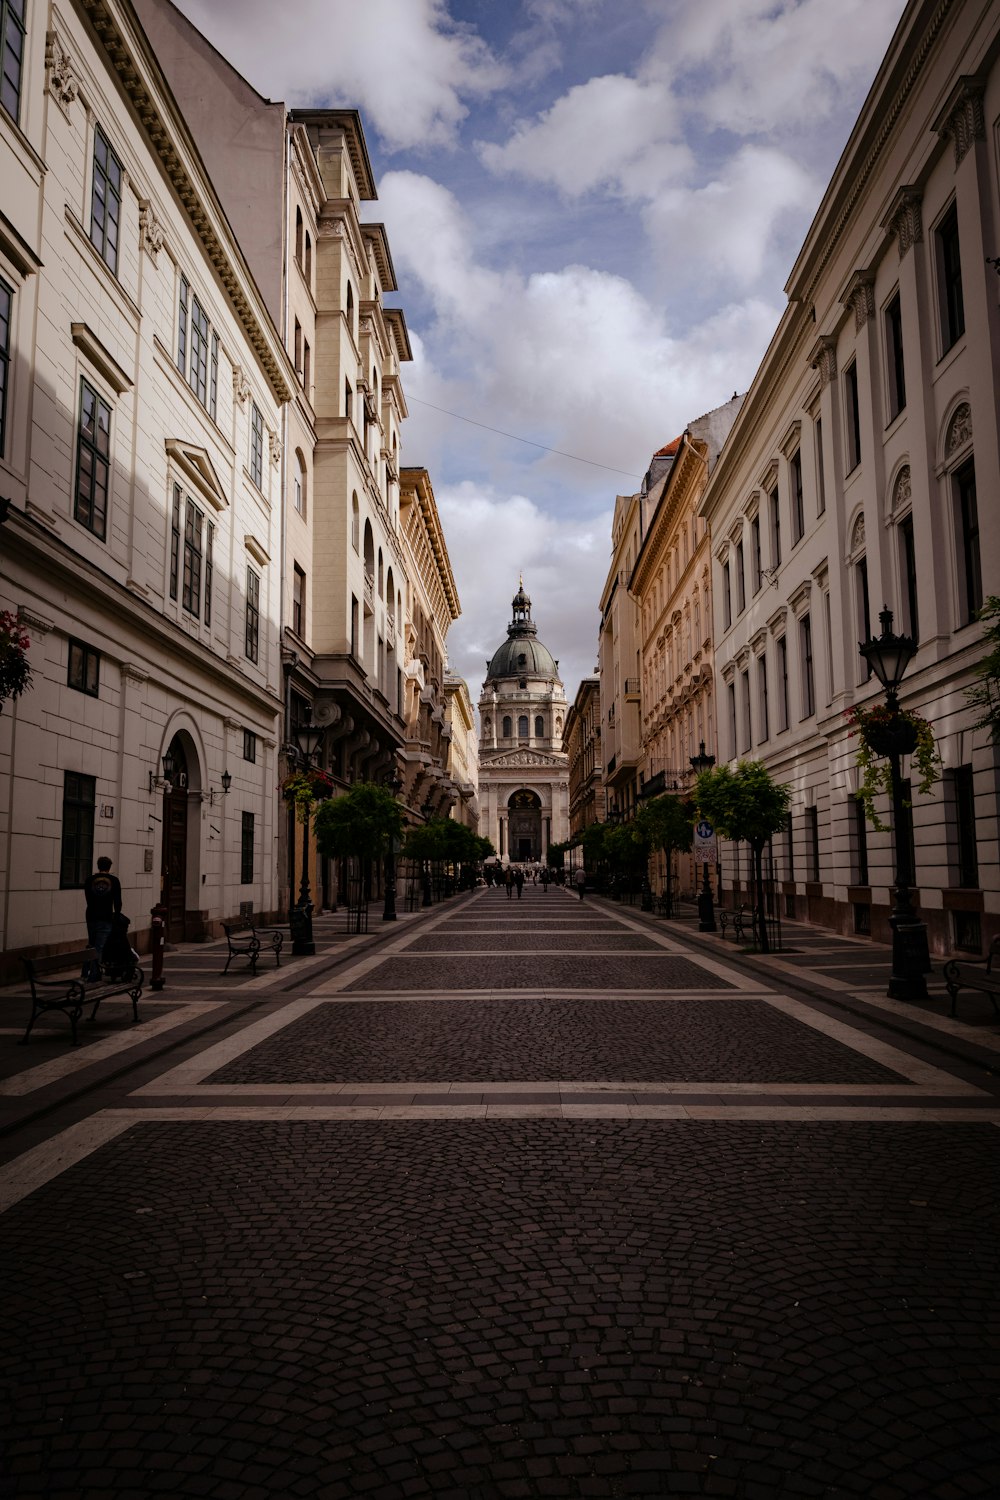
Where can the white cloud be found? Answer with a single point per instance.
(408, 67)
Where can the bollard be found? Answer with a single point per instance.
(157, 942)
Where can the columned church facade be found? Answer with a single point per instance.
(523, 770)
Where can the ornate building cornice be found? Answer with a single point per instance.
(963, 119)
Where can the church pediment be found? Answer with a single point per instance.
(518, 759)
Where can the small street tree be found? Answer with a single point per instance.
(984, 695)
(359, 825)
(745, 805)
(666, 823)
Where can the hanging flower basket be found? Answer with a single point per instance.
(15, 674)
(304, 788)
(882, 732)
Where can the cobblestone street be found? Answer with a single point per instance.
(506, 1203)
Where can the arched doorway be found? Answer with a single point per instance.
(524, 813)
(180, 857)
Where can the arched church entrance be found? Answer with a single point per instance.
(180, 855)
(524, 813)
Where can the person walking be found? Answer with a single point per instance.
(545, 882)
(580, 880)
(509, 881)
(103, 895)
(519, 882)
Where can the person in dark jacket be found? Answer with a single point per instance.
(103, 894)
(519, 882)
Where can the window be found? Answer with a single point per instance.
(969, 566)
(348, 399)
(306, 366)
(253, 615)
(355, 523)
(249, 745)
(354, 626)
(209, 570)
(309, 257)
(12, 51)
(908, 568)
(782, 649)
(299, 485)
(105, 200)
(298, 600)
(539, 727)
(808, 682)
(197, 348)
(762, 713)
(965, 826)
(731, 696)
(84, 669)
(741, 594)
(194, 522)
(77, 855)
(257, 446)
(297, 348)
(745, 695)
(522, 727)
(775, 508)
(198, 363)
(183, 305)
(175, 540)
(894, 357)
(727, 598)
(93, 448)
(508, 727)
(820, 474)
(6, 309)
(798, 504)
(860, 842)
(755, 557)
(246, 849)
(790, 846)
(864, 608)
(812, 841)
(852, 416)
(950, 280)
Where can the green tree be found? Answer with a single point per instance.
(745, 805)
(593, 839)
(361, 824)
(984, 696)
(666, 823)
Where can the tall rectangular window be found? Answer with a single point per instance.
(969, 563)
(106, 201)
(731, 695)
(84, 669)
(852, 416)
(246, 849)
(198, 362)
(77, 854)
(965, 826)
(949, 266)
(253, 615)
(257, 446)
(209, 570)
(790, 846)
(747, 722)
(727, 597)
(11, 54)
(808, 678)
(908, 568)
(812, 841)
(755, 557)
(348, 400)
(298, 600)
(894, 357)
(6, 309)
(820, 471)
(860, 841)
(191, 590)
(781, 647)
(249, 745)
(864, 609)
(183, 315)
(213, 379)
(93, 451)
(775, 517)
(798, 500)
(741, 592)
(175, 541)
(763, 720)
(354, 626)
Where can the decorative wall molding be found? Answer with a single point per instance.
(274, 446)
(905, 218)
(150, 231)
(963, 119)
(959, 429)
(241, 386)
(902, 490)
(60, 74)
(860, 298)
(823, 357)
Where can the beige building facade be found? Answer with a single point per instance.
(620, 663)
(140, 444)
(463, 751)
(863, 469)
(583, 744)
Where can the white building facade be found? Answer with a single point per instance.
(864, 468)
(143, 390)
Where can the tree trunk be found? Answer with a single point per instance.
(758, 874)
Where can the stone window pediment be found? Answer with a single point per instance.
(752, 507)
(776, 622)
(198, 469)
(798, 601)
(791, 439)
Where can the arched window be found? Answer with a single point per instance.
(539, 727)
(507, 727)
(862, 606)
(355, 522)
(350, 307)
(381, 581)
(309, 257)
(299, 483)
(298, 235)
(522, 727)
(369, 552)
(390, 595)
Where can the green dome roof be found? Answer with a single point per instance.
(522, 654)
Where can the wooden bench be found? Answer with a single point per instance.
(71, 994)
(738, 919)
(974, 974)
(248, 942)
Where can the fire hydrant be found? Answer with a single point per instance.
(157, 943)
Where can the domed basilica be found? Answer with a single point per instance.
(523, 772)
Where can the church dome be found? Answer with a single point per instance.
(522, 653)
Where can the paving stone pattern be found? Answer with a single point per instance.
(517, 972)
(508, 1309)
(541, 1040)
(543, 941)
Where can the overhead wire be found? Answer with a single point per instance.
(575, 457)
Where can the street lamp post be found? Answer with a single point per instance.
(308, 739)
(888, 656)
(706, 908)
(389, 909)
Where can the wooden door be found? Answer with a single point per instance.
(175, 862)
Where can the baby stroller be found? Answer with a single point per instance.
(119, 959)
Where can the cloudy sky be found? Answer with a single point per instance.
(593, 206)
